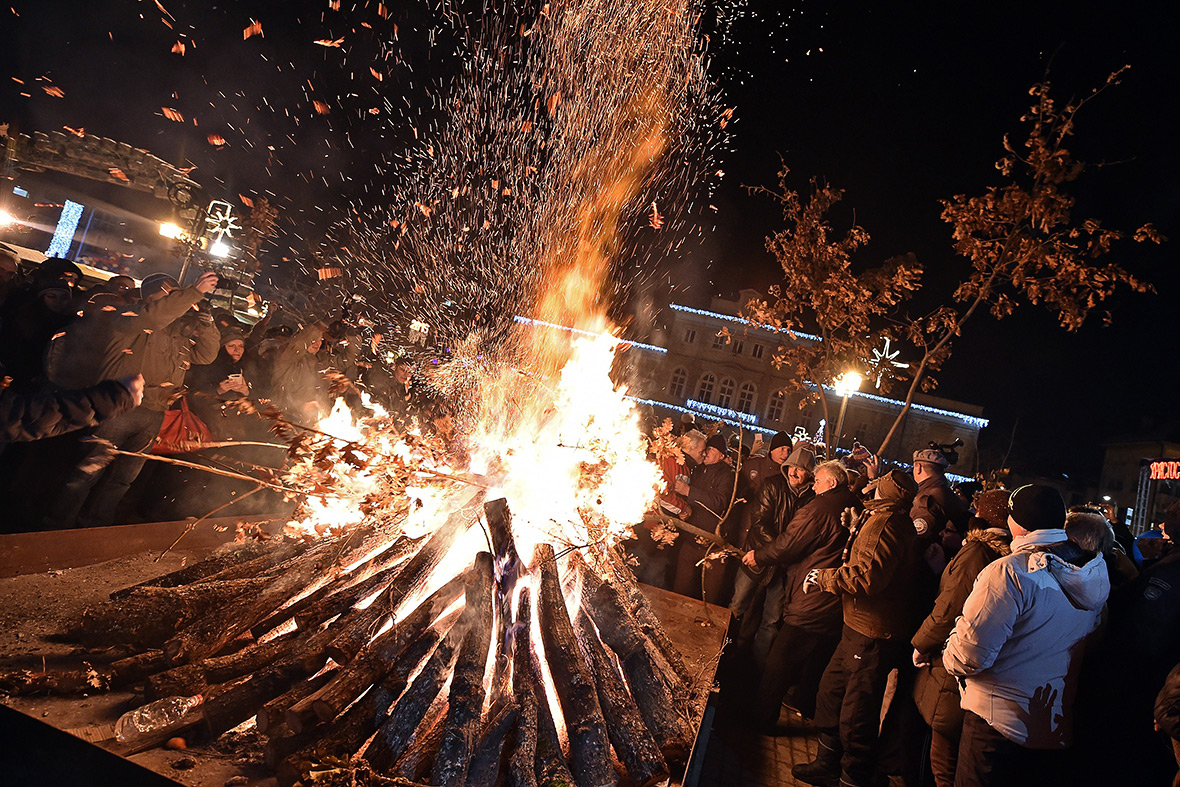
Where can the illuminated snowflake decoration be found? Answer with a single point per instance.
(883, 360)
(220, 221)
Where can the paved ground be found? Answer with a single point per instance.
(741, 757)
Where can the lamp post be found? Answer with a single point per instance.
(844, 386)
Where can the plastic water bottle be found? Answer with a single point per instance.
(154, 716)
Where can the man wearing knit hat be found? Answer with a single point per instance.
(709, 492)
(156, 338)
(1017, 646)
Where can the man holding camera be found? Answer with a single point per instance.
(160, 337)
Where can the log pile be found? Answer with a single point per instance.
(326, 647)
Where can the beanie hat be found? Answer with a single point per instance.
(154, 282)
(1037, 507)
(802, 458)
(232, 334)
(992, 507)
(44, 285)
(718, 442)
(933, 456)
(894, 486)
(54, 267)
(779, 440)
(688, 418)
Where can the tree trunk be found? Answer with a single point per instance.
(589, 743)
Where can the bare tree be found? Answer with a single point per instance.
(1023, 244)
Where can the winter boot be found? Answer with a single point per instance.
(824, 770)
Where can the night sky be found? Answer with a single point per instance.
(898, 106)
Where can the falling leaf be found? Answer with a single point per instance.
(118, 174)
(173, 115)
(382, 11)
(78, 132)
(216, 140)
(329, 42)
(374, 110)
(334, 5)
(249, 203)
(657, 221)
(376, 74)
(329, 273)
(255, 29)
(178, 48)
(54, 91)
(321, 108)
(553, 102)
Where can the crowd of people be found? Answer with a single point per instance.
(149, 367)
(929, 635)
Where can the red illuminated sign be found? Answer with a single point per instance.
(1165, 470)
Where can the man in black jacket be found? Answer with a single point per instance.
(814, 538)
(759, 592)
(710, 492)
(36, 416)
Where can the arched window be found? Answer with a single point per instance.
(725, 392)
(679, 379)
(705, 388)
(745, 400)
(778, 401)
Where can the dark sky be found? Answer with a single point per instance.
(899, 106)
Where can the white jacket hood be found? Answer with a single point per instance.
(1087, 587)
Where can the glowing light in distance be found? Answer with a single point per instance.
(171, 231)
(219, 249)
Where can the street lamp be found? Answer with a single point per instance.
(845, 385)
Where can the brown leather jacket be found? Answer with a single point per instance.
(876, 583)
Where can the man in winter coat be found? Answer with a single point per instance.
(940, 516)
(37, 416)
(1167, 714)
(1018, 646)
(813, 539)
(936, 692)
(709, 491)
(157, 338)
(759, 591)
(875, 587)
(297, 378)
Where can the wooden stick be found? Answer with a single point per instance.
(199, 520)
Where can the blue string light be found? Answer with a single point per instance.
(740, 321)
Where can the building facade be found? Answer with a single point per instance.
(717, 365)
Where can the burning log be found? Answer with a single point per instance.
(356, 632)
(209, 633)
(202, 569)
(373, 661)
(589, 743)
(272, 715)
(485, 762)
(461, 729)
(657, 691)
(148, 616)
(341, 593)
(349, 732)
(633, 743)
(416, 762)
(194, 678)
(522, 764)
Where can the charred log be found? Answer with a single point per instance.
(203, 569)
(485, 762)
(189, 679)
(589, 743)
(271, 716)
(461, 730)
(650, 678)
(416, 762)
(633, 743)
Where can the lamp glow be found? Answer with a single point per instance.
(847, 383)
(219, 249)
(171, 231)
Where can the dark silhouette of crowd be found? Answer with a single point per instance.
(95, 376)
(927, 635)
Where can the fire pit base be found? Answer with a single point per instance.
(46, 579)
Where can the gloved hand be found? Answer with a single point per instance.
(921, 659)
(811, 580)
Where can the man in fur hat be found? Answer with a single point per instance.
(709, 491)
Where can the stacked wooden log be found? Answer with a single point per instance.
(318, 644)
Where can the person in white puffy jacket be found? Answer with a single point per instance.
(1017, 646)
